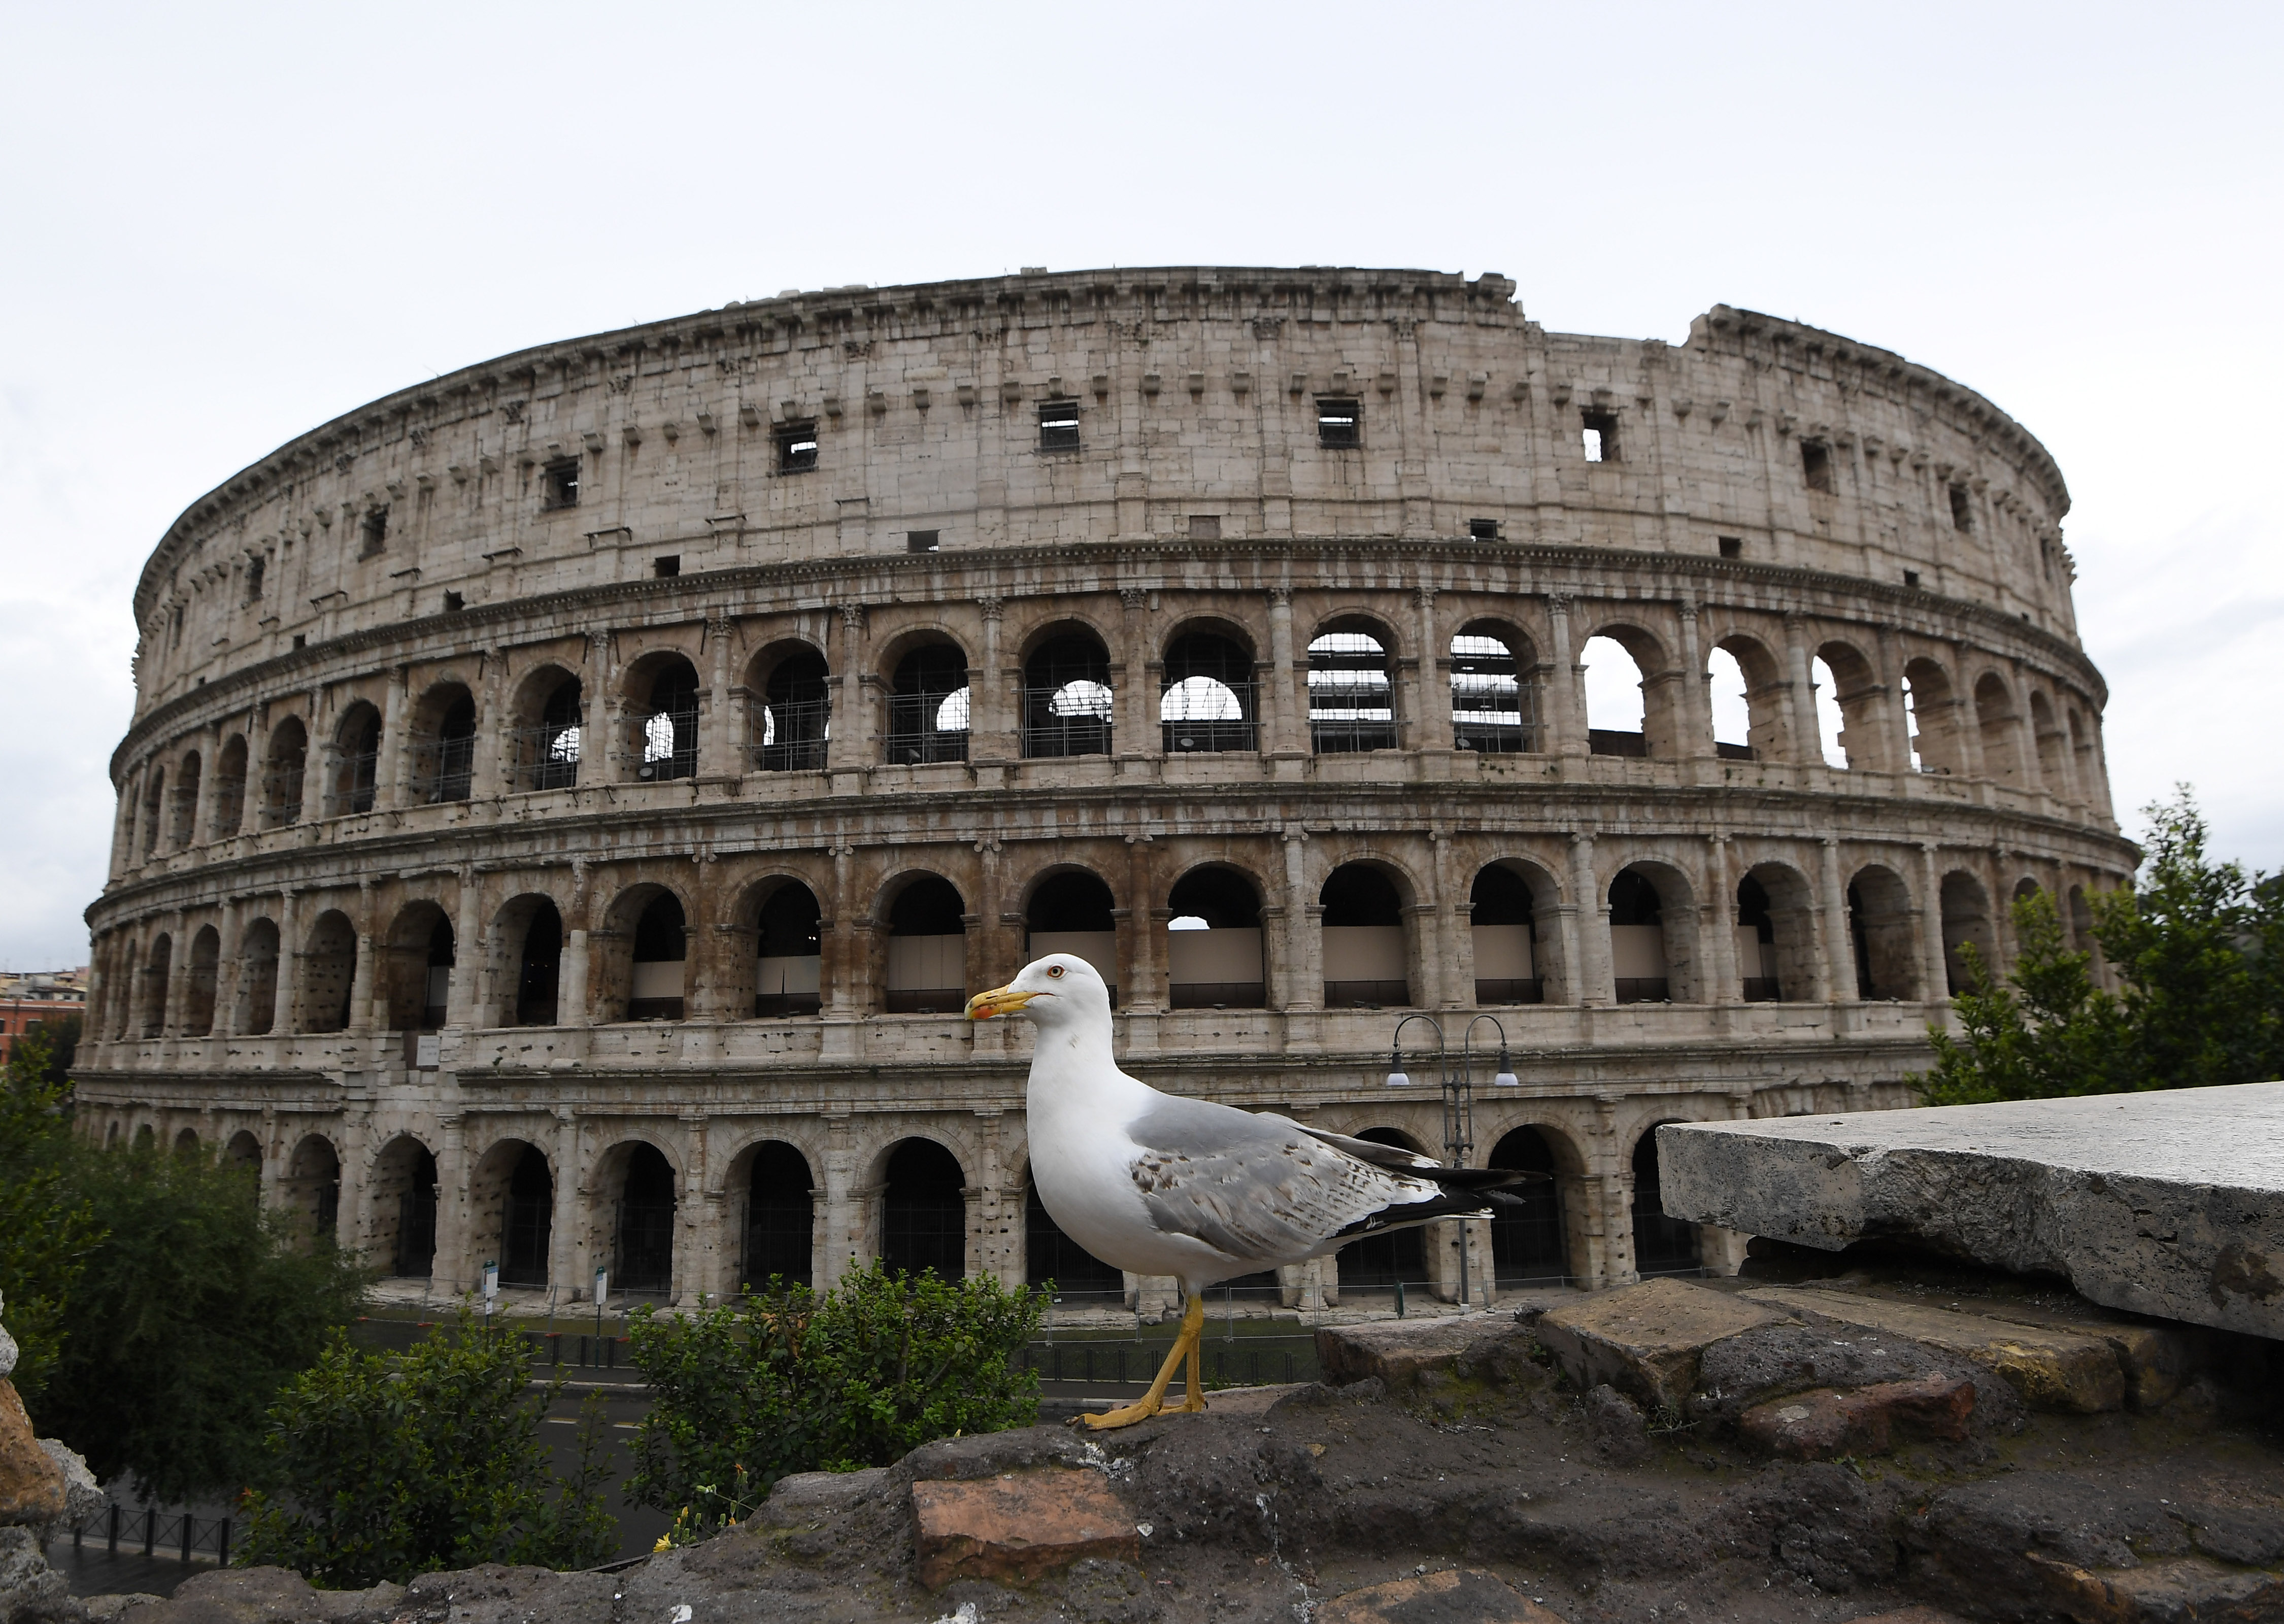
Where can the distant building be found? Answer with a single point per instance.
(41, 996)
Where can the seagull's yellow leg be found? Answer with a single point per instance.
(1194, 1321)
(1186, 1346)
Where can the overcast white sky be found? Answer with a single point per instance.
(224, 225)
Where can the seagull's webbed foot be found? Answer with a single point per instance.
(1153, 1402)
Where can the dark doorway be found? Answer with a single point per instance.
(923, 1215)
(416, 1219)
(1662, 1246)
(527, 1223)
(1526, 1244)
(645, 1259)
(780, 1218)
(538, 968)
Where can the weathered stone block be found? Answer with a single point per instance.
(1826, 1422)
(1457, 1595)
(812, 1496)
(83, 1497)
(1647, 1339)
(29, 1589)
(31, 1484)
(1395, 1350)
(2160, 1592)
(2169, 1204)
(1019, 1526)
(2051, 1369)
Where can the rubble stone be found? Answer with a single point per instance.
(1738, 1372)
(31, 1483)
(2167, 1203)
(806, 1497)
(1827, 1422)
(1399, 1350)
(1645, 1339)
(1019, 1526)
(2050, 1370)
(1457, 1595)
(83, 1497)
(1620, 1434)
(2162, 1592)
(31, 1592)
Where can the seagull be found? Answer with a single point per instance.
(1160, 1185)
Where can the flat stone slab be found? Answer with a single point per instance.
(2064, 1370)
(1825, 1423)
(2168, 1203)
(1458, 1595)
(1019, 1526)
(1646, 1341)
(1397, 1350)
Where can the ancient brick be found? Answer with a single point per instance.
(1018, 1526)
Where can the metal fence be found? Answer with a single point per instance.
(181, 1534)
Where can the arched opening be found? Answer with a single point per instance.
(156, 976)
(356, 761)
(1527, 1244)
(2053, 751)
(1503, 927)
(2025, 889)
(1831, 725)
(1995, 720)
(794, 722)
(329, 973)
(923, 1213)
(1727, 695)
(1391, 1258)
(780, 1218)
(155, 806)
(230, 788)
(1662, 1246)
(284, 768)
(1050, 1255)
(186, 1142)
(1351, 690)
(2078, 915)
(312, 1187)
(1617, 693)
(146, 1137)
(661, 945)
(244, 1151)
(643, 1226)
(1368, 965)
(1758, 978)
(1208, 701)
(415, 972)
(1066, 697)
(1931, 711)
(1965, 919)
(257, 978)
(1494, 709)
(666, 721)
(928, 707)
(927, 950)
(513, 1200)
(184, 826)
(547, 751)
(1637, 957)
(539, 963)
(199, 987)
(1070, 912)
(403, 1201)
(444, 747)
(787, 979)
(2082, 757)
(1849, 689)
(1214, 943)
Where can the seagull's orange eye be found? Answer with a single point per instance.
(1055, 972)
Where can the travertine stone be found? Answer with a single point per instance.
(83, 1497)
(1826, 1422)
(2168, 1203)
(32, 1484)
(1647, 1339)
(1019, 1526)
(1397, 1350)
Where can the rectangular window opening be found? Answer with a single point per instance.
(670, 565)
(1601, 436)
(1483, 529)
(301, 639)
(1059, 425)
(1815, 464)
(373, 533)
(1962, 516)
(797, 448)
(559, 484)
(454, 603)
(923, 540)
(1911, 577)
(1205, 526)
(1732, 546)
(1340, 425)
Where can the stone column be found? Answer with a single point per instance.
(226, 971)
(1136, 730)
(1593, 978)
(1428, 724)
(1839, 950)
(1696, 704)
(178, 976)
(721, 731)
(2002, 914)
(836, 966)
(390, 786)
(1808, 736)
(990, 727)
(1723, 984)
(1285, 689)
(288, 1017)
(841, 1238)
(1142, 986)
(202, 828)
(1565, 716)
(469, 953)
(1895, 716)
(360, 1010)
(851, 747)
(1303, 957)
(319, 755)
(496, 741)
(1937, 967)
(1452, 982)
(572, 1008)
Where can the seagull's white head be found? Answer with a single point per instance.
(1061, 990)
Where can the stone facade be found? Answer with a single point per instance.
(453, 710)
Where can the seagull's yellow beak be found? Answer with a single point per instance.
(998, 1001)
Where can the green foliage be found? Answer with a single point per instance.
(393, 1464)
(787, 1381)
(2199, 947)
(192, 1313)
(47, 1228)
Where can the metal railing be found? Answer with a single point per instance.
(913, 738)
(281, 796)
(355, 783)
(666, 742)
(182, 1534)
(791, 735)
(444, 768)
(1071, 719)
(547, 756)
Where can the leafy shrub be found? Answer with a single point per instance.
(787, 1381)
(47, 1229)
(393, 1465)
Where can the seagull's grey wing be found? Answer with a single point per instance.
(1363, 1150)
(1255, 1186)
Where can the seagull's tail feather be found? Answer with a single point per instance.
(1411, 1214)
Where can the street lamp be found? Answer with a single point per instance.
(1459, 1101)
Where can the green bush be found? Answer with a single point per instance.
(393, 1465)
(787, 1380)
(47, 1228)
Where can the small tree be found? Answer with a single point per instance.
(193, 1311)
(2050, 1031)
(47, 1228)
(393, 1464)
(786, 1381)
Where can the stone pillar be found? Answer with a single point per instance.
(1808, 737)
(1723, 985)
(837, 967)
(1937, 969)
(1430, 705)
(564, 1236)
(469, 954)
(202, 807)
(1696, 704)
(1839, 950)
(288, 1016)
(495, 742)
(1303, 955)
(178, 976)
(226, 971)
(697, 1219)
(841, 1238)
(721, 730)
(572, 1008)
(851, 748)
(362, 1014)
(319, 755)
(1895, 716)
(2002, 915)
(390, 787)
(1453, 983)
(1136, 730)
(1566, 714)
(1141, 985)
(1595, 985)
(1286, 689)
(990, 726)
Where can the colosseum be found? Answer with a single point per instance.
(569, 799)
